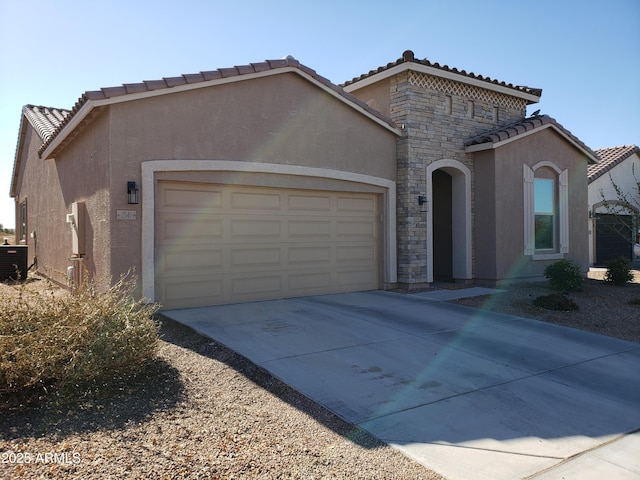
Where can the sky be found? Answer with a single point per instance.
(584, 54)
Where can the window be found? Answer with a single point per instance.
(23, 223)
(546, 211)
(544, 201)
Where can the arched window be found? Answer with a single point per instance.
(546, 211)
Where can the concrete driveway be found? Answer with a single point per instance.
(468, 393)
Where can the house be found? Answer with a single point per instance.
(267, 181)
(614, 204)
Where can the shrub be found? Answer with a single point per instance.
(51, 339)
(556, 301)
(618, 271)
(564, 276)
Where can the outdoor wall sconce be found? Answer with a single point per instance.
(422, 200)
(132, 193)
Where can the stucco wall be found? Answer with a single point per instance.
(275, 119)
(376, 96)
(280, 119)
(506, 168)
(78, 174)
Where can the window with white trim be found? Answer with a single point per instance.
(546, 211)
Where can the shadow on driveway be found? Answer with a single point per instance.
(469, 393)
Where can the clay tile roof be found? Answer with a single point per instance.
(194, 77)
(211, 75)
(114, 91)
(45, 120)
(229, 72)
(245, 69)
(260, 67)
(609, 158)
(175, 81)
(523, 126)
(135, 87)
(155, 84)
(408, 57)
(170, 82)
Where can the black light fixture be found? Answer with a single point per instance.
(132, 193)
(422, 199)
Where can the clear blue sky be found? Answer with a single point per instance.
(584, 54)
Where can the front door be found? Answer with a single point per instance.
(442, 226)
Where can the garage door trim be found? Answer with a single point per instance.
(151, 167)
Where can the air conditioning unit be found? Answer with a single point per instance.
(13, 262)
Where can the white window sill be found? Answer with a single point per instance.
(548, 256)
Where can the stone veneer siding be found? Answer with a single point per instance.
(437, 119)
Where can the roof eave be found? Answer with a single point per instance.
(16, 162)
(428, 70)
(493, 145)
(74, 121)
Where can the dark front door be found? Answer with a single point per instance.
(442, 226)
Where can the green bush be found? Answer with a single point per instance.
(618, 271)
(564, 276)
(556, 301)
(51, 339)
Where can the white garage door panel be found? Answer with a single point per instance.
(224, 244)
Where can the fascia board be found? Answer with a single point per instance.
(69, 127)
(436, 72)
(19, 149)
(376, 77)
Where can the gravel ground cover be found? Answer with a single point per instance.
(603, 308)
(200, 411)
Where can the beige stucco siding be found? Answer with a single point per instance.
(279, 119)
(276, 119)
(501, 171)
(77, 174)
(377, 95)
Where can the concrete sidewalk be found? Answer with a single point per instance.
(470, 394)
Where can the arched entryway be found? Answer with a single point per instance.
(448, 221)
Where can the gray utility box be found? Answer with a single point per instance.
(13, 262)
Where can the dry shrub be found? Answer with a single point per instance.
(51, 340)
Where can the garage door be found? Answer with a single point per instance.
(220, 244)
(613, 237)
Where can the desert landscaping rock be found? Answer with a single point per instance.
(200, 411)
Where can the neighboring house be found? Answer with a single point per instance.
(614, 204)
(268, 181)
